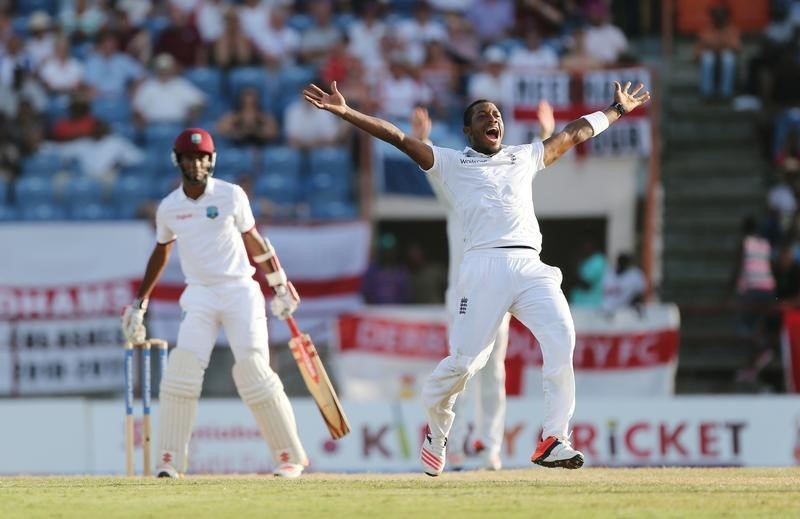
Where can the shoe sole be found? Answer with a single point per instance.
(574, 462)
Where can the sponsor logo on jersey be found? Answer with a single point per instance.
(462, 306)
(212, 211)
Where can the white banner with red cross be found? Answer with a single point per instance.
(388, 353)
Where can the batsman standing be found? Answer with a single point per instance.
(490, 189)
(213, 225)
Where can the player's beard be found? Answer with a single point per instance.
(202, 180)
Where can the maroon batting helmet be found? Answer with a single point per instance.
(194, 140)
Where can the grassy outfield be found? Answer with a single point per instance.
(587, 493)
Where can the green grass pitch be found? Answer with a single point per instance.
(542, 493)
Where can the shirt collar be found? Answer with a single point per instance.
(208, 191)
(468, 151)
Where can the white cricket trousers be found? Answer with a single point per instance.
(492, 282)
(238, 307)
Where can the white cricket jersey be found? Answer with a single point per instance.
(209, 232)
(491, 196)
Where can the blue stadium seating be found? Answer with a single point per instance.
(161, 134)
(34, 190)
(207, 79)
(27, 7)
(4, 192)
(292, 79)
(8, 213)
(82, 190)
(41, 212)
(334, 160)
(233, 162)
(242, 77)
(329, 182)
(112, 110)
(90, 211)
(282, 159)
(131, 188)
(334, 210)
(279, 187)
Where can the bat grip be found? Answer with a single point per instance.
(293, 327)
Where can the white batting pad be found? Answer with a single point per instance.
(262, 391)
(178, 395)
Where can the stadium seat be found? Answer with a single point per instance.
(4, 200)
(292, 79)
(82, 190)
(242, 77)
(32, 190)
(161, 134)
(233, 162)
(334, 160)
(112, 109)
(300, 22)
(278, 187)
(131, 188)
(8, 213)
(207, 79)
(282, 159)
(90, 211)
(164, 185)
(29, 6)
(334, 210)
(41, 212)
(328, 182)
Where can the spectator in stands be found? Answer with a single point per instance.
(167, 97)
(232, 48)
(181, 40)
(132, 39)
(321, 36)
(248, 124)
(9, 152)
(307, 128)
(754, 286)
(29, 127)
(103, 154)
(588, 292)
(338, 65)
(81, 19)
(419, 30)
(772, 44)
(534, 55)
(786, 136)
(79, 121)
(111, 74)
(278, 43)
(623, 286)
(40, 43)
(492, 20)
(365, 33)
(6, 25)
(493, 81)
(13, 60)
(782, 199)
(399, 92)
(577, 57)
(210, 19)
(716, 51)
(604, 41)
(137, 10)
(386, 280)
(440, 73)
(23, 86)
(253, 17)
(61, 74)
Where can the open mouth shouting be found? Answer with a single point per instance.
(493, 134)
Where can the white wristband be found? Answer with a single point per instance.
(598, 121)
(276, 278)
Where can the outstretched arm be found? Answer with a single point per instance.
(335, 103)
(588, 126)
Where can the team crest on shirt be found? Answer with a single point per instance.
(212, 211)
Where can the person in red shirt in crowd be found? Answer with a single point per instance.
(79, 121)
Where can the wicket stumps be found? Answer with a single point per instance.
(145, 347)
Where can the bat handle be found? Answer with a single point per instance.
(293, 327)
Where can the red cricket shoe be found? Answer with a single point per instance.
(555, 452)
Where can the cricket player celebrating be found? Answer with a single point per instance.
(490, 189)
(489, 383)
(213, 225)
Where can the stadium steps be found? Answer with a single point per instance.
(713, 176)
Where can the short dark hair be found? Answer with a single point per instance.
(471, 108)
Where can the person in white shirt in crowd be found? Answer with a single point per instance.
(277, 43)
(210, 19)
(111, 73)
(213, 225)
(307, 128)
(489, 382)
(490, 188)
(493, 81)
(398, 92)
(365, 34)
(40, 43)
(492, 20)
(61, 74)
(624, 285)
(604, 41)
(167, 97)
(419, 30)
(253, 16)
(103, 154)
(533, 55)
(81, 19)
(321, 36)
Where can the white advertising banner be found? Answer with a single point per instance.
(62, 287)
(86, 437)
(389, 353)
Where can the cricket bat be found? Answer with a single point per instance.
(317, 381)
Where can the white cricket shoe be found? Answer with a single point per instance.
(556, 452)
(432, 454)
(167, 471)
(288, 470)
(491, 461)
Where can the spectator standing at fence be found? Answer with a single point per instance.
(604, 41)
(213, 225)
(624, 285)
(716, 50)
(491, 189)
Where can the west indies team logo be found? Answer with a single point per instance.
(212, 211)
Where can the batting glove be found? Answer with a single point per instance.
(285, 301)
(133, 322)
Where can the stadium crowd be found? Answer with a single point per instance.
(92, 92)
